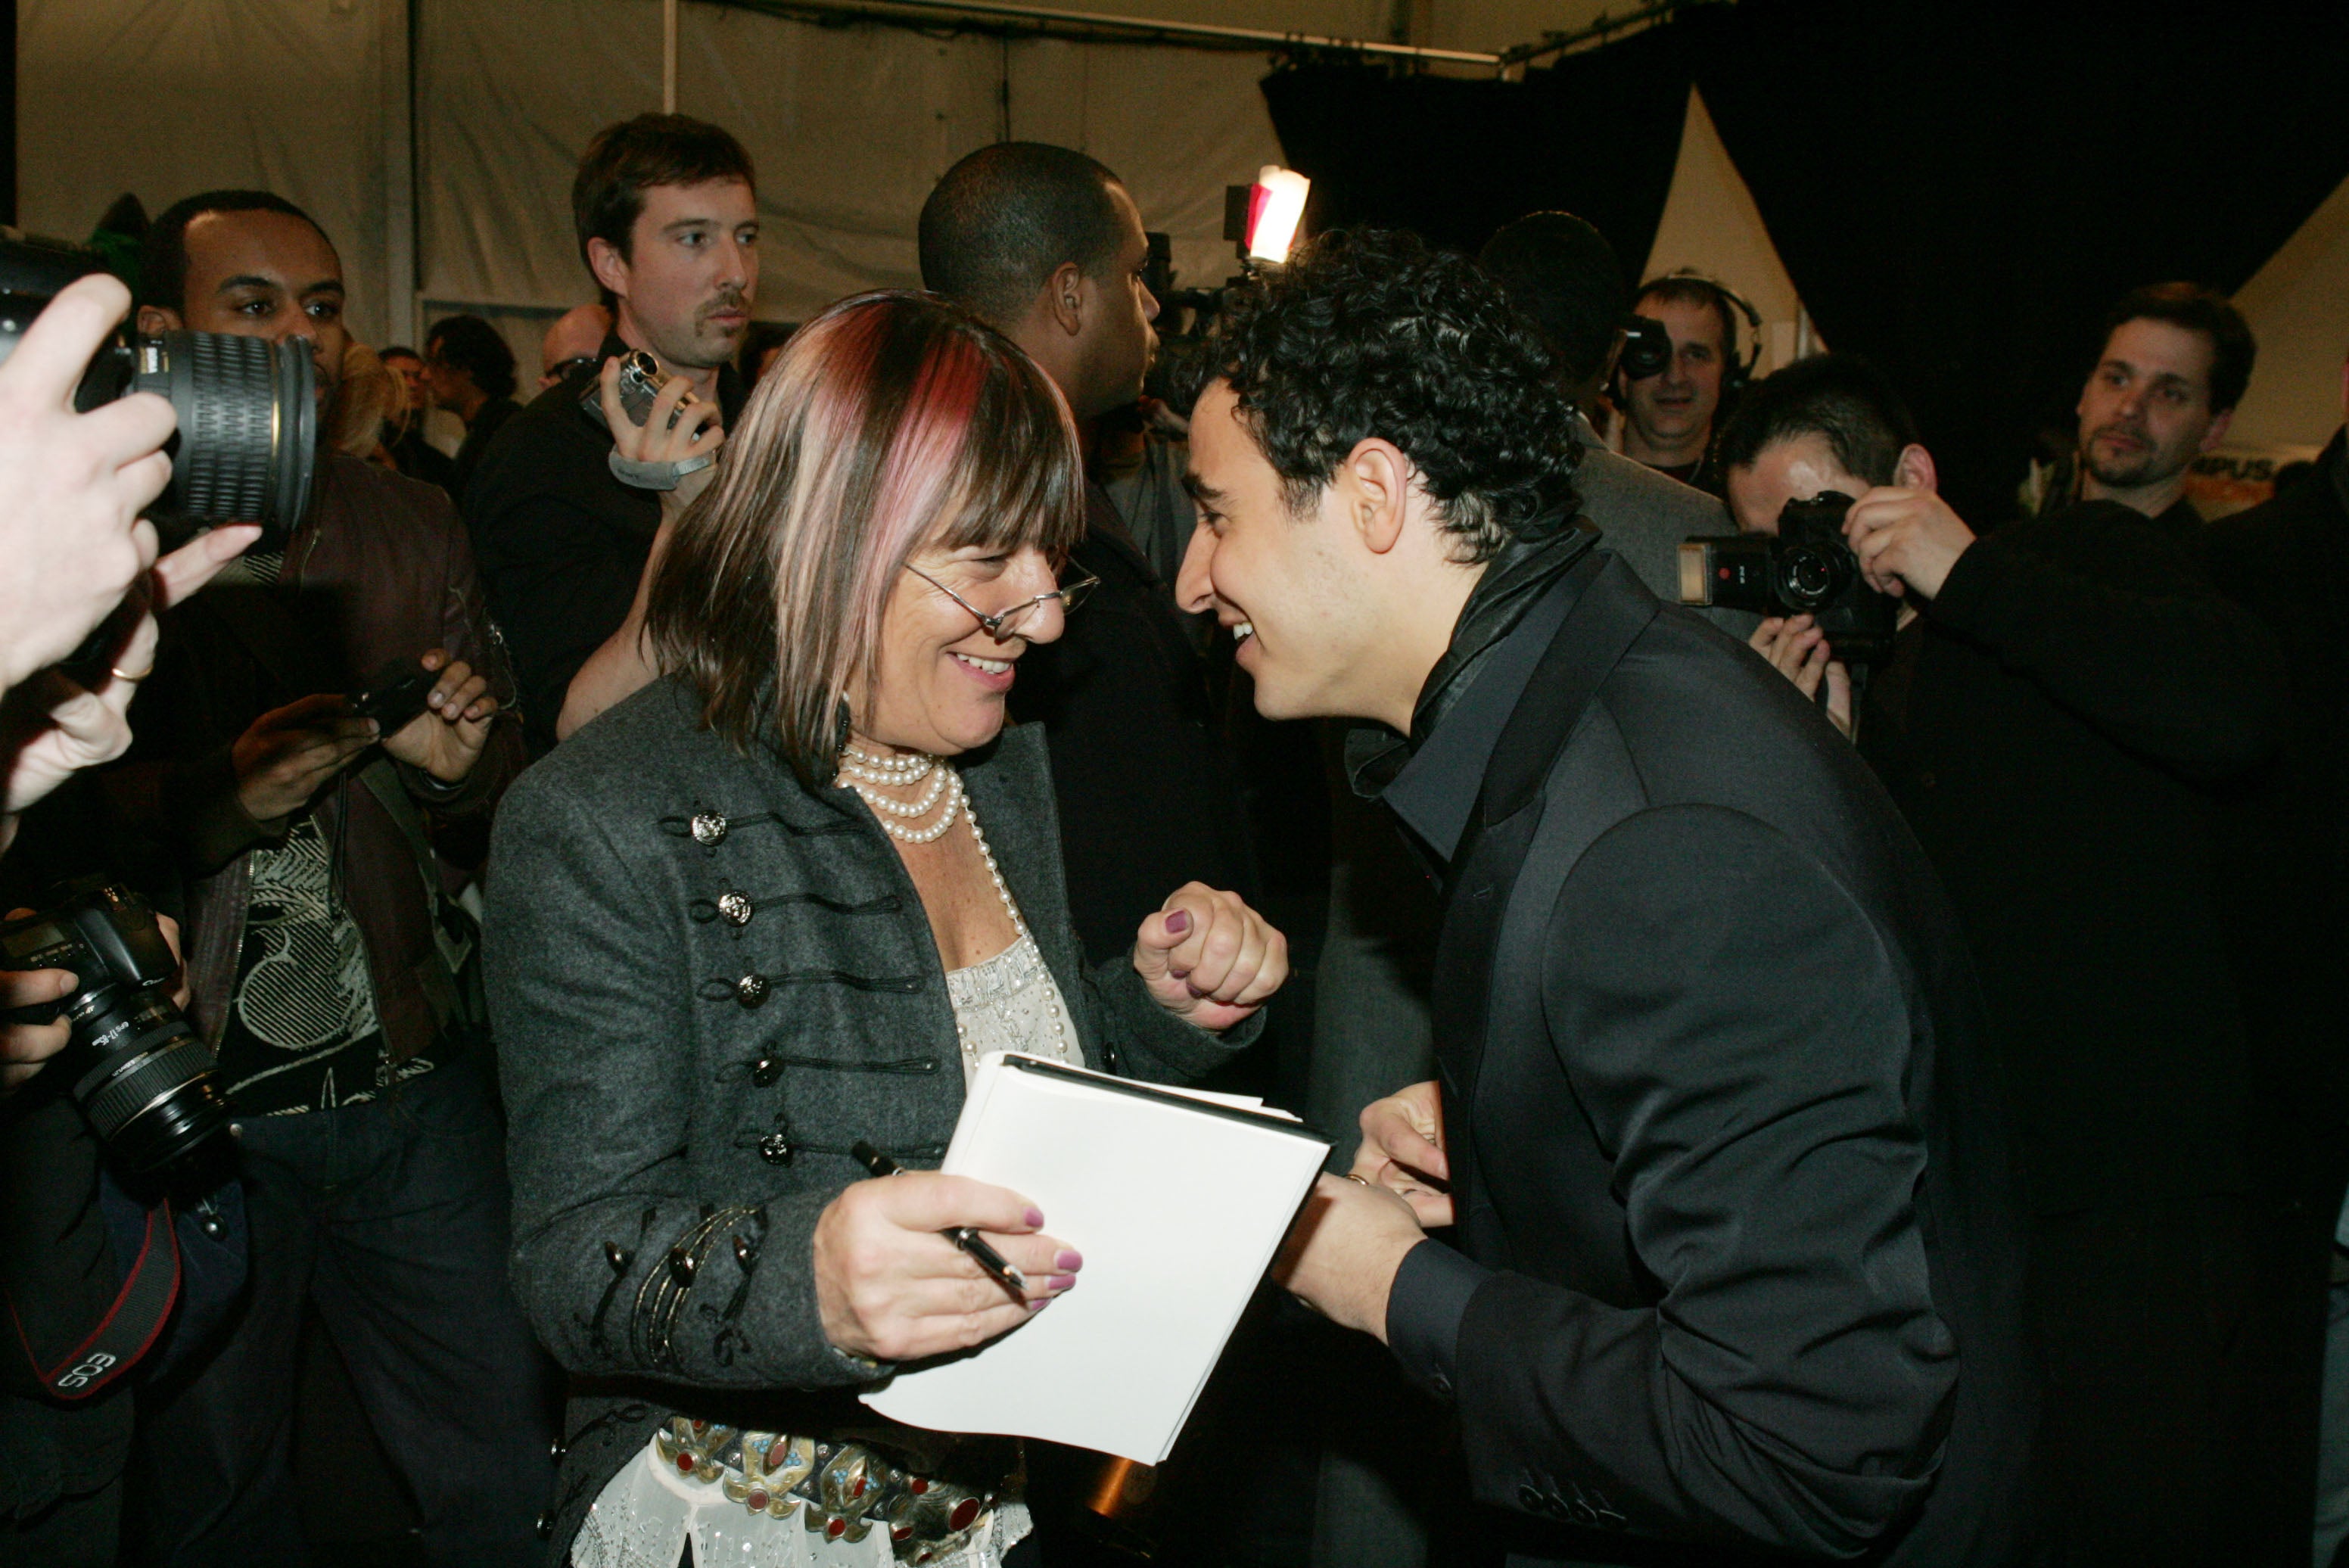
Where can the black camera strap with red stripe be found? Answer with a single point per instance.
(131, 1325)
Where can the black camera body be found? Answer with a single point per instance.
(1806, 569)
(1647, 348)
(136, 1066)
(247, 445)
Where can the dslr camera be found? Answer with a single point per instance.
(136, 1066)
(1807, 569)
(247, 442)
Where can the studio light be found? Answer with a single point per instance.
(1276, 208)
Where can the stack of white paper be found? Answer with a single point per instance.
(1177, 1202)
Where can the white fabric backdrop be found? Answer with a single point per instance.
(165, 98)
(848, 128)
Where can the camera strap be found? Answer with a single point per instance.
(130, 1327)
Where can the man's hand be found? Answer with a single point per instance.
(290, 753)
(1797, 649)
(1343, 1252)
(25, 1049)
(71, 485)
(1906, 539)
(1208, 958)
(1402, 1151)
(668, 435)
(446, 740)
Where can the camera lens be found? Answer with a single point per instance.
(248, 435)
(1809, 576)
(147, 1083)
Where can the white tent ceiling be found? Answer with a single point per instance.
(849, 126)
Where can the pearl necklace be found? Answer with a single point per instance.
(909, 770)
(994, 872)
(1057, 1005)
(861, 770)
(948, 787)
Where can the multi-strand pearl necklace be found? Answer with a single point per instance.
(862, 770)
(868, 773)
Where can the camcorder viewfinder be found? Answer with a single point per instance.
(136, 1066)
(1647, 348)
(1806, 569)
(246, 448)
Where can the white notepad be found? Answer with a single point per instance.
(1177, 1202)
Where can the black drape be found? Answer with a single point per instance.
(1958, 190)
(1456, 158)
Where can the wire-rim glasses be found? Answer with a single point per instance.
(1005, 623)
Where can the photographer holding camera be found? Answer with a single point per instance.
(309, 723)
(2078, 689)
(73, 486)
(1826, 425)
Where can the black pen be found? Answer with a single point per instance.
(963, 1236)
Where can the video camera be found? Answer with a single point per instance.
(247, 442)
(1806, 569)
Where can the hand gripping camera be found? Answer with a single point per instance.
(1807, 569)
(247, 442)
(136, 1066)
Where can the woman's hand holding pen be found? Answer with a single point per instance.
(890, 1286)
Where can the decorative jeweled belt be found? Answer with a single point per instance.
(840, 1490)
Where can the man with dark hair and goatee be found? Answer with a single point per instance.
(2081, 696)
(667, 222)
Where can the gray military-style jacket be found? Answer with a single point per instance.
(708, 982)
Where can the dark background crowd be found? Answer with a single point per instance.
(2117, 729)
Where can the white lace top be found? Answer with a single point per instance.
(1011, 1003)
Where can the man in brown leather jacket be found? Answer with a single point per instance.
(323, 958)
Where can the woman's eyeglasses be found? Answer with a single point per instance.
(1006, 623)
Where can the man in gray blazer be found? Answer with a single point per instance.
(1731, 1266)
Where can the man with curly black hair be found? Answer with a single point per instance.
(1735, 1269)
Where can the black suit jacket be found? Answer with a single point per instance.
(1740, 1266)
(2081, 691)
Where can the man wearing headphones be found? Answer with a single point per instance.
(1667, 418)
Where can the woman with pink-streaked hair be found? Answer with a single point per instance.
(778, 903)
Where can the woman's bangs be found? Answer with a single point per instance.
(1021, 486)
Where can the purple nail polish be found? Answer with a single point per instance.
(1062, 1281)
(1069, 1258)
(1040, 1303)
(1035, 1219)
(1178, 922)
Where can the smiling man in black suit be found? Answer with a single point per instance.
(1734, 1264)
